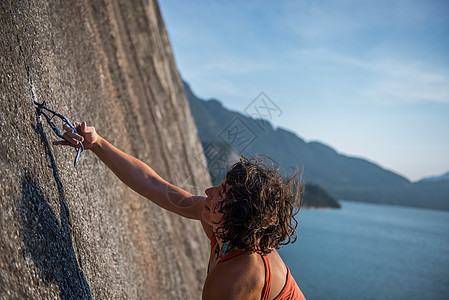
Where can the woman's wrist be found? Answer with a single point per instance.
(96, 147)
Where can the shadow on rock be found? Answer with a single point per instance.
(49, 244)
(47, 237)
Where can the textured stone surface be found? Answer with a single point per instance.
(79, 233)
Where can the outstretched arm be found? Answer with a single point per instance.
(136, 174)
(145, 181)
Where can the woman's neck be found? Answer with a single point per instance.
(222, 249)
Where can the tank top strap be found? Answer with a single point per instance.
(213, 241)
(267, 286)
(231, 255)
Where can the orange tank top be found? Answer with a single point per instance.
(290, 291)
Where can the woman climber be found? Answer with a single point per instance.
(247, 217)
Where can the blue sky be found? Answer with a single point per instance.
(368, 78)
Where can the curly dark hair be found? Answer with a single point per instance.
(260, 206)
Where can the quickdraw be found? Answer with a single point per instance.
(40, 111)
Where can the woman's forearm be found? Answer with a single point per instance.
(144, 180)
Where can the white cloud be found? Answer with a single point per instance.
(410, 81)
(382, 79)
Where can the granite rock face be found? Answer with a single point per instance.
(79, 233)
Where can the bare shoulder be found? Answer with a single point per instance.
(242, 277)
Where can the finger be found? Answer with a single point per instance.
(65, 143)
(70, 127)
(71, 133)
(86, 129)
(70, 139)
(77, 125)
(66, 127)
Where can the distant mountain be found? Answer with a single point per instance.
(436, 178)
(226, 134)
(315, 196)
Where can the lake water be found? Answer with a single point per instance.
(371, 251)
